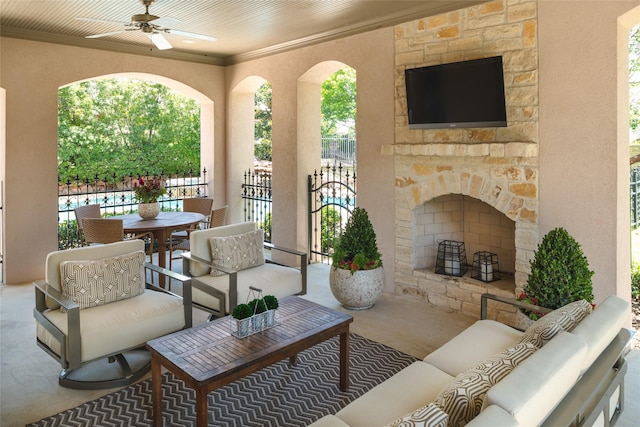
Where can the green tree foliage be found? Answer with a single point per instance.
(356, 248)
(126, 126)
(263, 122)
(634, 79)
(339, 101)
(330, 228)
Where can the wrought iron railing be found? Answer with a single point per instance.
(256, 197)
(115, 196)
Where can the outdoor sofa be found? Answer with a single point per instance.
(565, 370)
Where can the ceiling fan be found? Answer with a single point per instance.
(151, 25)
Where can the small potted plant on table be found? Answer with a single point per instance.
(270, 315)
(242, 313)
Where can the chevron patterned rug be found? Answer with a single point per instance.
(278, 395)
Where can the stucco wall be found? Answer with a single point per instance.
(584, 160)
(31, 73)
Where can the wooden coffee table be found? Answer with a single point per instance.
(207, 356)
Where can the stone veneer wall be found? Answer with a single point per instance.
(498, 166)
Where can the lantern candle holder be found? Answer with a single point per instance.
(451, 259)
(485, 267)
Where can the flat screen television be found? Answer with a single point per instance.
(466, 94)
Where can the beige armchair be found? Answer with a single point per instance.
(225, 261)
(95, 307)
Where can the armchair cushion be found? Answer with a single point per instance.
(96, 282)
(238, 252)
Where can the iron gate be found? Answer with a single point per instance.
(332, 198)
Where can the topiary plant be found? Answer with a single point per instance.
(271, 302)
(356, 248)
(242, 311)
(560, 272)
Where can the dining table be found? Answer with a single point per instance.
(161, 228)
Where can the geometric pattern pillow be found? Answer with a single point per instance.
(238, 252)
(96, 282)
(462, 398)
(427, 416)
(565, 318)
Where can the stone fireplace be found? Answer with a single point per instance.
(478, 186)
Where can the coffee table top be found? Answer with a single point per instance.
(206, 351)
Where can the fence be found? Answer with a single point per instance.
(256, 197)
(339, 148)
(116, 197)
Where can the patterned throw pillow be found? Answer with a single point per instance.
(564, 318)
(238, 252)
(96, 282)
(462, 398)
(427, 416)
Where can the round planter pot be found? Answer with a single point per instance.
(357, 291)
(522, 321)
(149, 210)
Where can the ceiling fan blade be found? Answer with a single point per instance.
(165, 21)
(112, 33)
(103, 21)
(160, 42)
(192, 35)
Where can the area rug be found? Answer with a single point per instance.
(279, 395)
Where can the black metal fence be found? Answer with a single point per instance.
(256, 197)
(332, 198)
(116, 197)
(635, 196)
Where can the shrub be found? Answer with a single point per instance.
(329, 228)
(635, 281)
(356, 248)
(559, 272)
(242, 311)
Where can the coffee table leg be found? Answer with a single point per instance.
(156, 391)
(344, 361)
(202, 410)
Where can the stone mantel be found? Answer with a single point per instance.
(492, 149)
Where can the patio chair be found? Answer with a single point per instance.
(202, 205)
(94, 308)
(221, 277)
(82, 212)
(105, 230)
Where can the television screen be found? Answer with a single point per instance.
(465, 94)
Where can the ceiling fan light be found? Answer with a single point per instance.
(160, 42)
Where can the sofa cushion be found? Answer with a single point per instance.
(600, 327)
(96, 282)
(493, 416)
(479, 341)
(427, 416)
(462, 398)
(564, 318)
(535, 387)
(413, 387)
(238, 252)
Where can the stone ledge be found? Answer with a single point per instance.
(493, 149)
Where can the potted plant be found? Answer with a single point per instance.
(258, 307)
(559, 275)
(357, 276)
(270, 315)
(242, 313)
(147, 193)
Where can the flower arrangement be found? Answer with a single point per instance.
(148, 191)
(533, 315)
(356, 248)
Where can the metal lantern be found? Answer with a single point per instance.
(485, 267)
(451, 259)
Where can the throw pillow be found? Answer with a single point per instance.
(462, 398)
(237, 252)
(96, 282)
(564, 318)
(427, 416)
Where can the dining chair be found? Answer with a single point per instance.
(201, 205)
(85, 211)
(106, 230)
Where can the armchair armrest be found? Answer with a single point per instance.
(510, 301)
(72, 342)
(188, 257)
(303, 261)
(187, 300)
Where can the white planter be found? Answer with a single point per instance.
(522, 321)
(357, 291)
(149, 210)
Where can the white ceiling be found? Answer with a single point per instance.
(245, 29)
